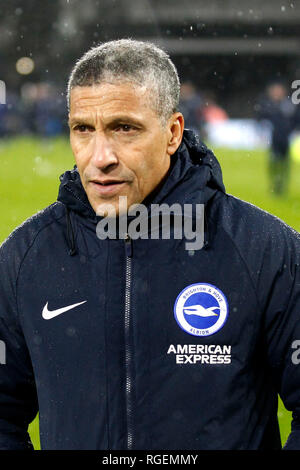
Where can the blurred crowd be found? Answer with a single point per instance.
(199, 109)
(39, 109)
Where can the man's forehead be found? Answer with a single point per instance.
(111, 103)
(105, 94)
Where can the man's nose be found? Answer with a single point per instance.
(103, 152)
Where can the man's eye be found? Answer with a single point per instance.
(81, 128)
(125, 127)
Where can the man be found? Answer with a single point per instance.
(278, 110)
(140, 343)
(191, 106)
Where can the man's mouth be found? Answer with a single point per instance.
(107, 187)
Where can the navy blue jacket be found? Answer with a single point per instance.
(138, 365)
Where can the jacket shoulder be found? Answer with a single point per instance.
(268, 248)
(15, 246)
(250, 225)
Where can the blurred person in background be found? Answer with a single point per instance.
(276, 108)
(191, 105)
(42, 108)
(211, 111)
(11, 120)
(38, 110)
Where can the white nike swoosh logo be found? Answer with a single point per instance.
(47, 314)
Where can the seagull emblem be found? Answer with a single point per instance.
(200, 311)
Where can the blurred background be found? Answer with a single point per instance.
(226, 52)
(239, 64)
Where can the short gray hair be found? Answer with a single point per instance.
(127, 60)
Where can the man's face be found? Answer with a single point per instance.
(119, 144)
(277, 92)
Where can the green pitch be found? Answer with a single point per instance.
(30, 169)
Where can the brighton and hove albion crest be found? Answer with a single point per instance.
(201, 309)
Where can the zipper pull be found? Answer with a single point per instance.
(128, 245)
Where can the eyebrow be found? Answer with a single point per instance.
(79, 120)
(120, 118)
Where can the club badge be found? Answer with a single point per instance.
(201, 309)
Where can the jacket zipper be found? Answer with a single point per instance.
(128, 354)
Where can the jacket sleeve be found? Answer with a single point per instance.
(279, 295)
(18, 398)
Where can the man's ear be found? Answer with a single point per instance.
(175, 131)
